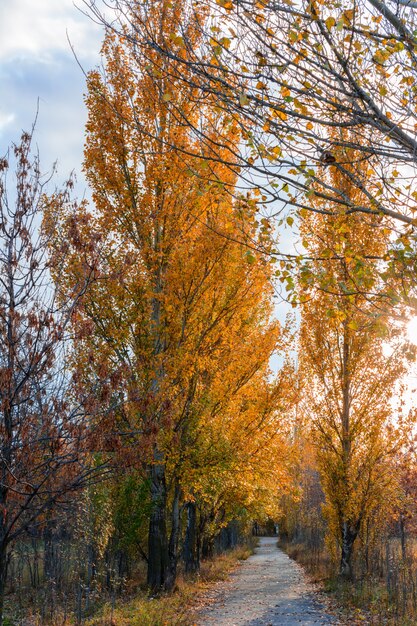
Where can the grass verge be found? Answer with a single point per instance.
(367, 600)
(174, 609)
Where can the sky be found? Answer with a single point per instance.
(37, 64)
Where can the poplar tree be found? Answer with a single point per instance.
(178, 319)
(349, 380)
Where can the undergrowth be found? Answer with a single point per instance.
(168, 609)
(173, 609)
(368, 599)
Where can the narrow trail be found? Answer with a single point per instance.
(268, 589)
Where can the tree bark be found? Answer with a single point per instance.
(191, 552)
(348, 538)
(171, 575)
(348, 530)
(207, 549)
(4, 562)
(48, 555)
(403, 537)
(157, 537)
(4, 492)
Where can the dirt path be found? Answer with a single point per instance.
(266, 590)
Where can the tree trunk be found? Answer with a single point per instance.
(191, 552)
(348, 533)
(91, 562)
(48, 555)
(403, 537)
(171, 575)
(157, 538)
(207, 549)
(36, 558)
(4, 562)
(6, 455)
(348, 538)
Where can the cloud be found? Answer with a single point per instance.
(38, 70)
(5, 120)
(38, 30)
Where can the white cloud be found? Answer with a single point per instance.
(38, 30)
(37, 66)
(5, 120)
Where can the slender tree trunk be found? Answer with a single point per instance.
(348, 532)
(403, 537)
(191, 552)
(35, 548)
(48, 555)
(348, 538)
(157, 537)
(6, 458)
(4, 562)
(91, 562)
(171, 576)
(158, 556)
(201, 526)
(207, 549)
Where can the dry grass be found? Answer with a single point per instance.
(388, 598)
(171, 609)
(174, 609)
(316, 562)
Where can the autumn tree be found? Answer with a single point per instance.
(178, 318)
(405, 469)
(292, 72)
(41, 421)
(240, 458)
(349, 381)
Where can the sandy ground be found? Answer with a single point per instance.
(269, 589)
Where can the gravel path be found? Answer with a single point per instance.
(269, 589)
